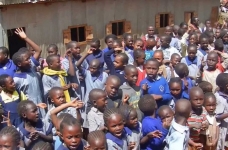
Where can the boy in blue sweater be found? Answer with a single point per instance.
(154, 84)
(153, 130)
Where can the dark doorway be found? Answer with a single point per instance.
(14, 41)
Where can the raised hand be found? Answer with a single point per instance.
(155, 134)
(145, 87)
(74, 85)
(42, 105)
(89, 51)
(69, 53)
(7, 119)
(125, 99)
(20, 32)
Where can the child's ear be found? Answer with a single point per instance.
(61, 135)
(24, 115)
(94, 103)
(6, 56)
(125, 77)
(19, 64)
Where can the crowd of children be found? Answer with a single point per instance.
(165, 91)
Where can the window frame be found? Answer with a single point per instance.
(77, 26)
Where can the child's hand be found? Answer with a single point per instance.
(7, 119)
(76, 103)
(198, 146)
(131, 145)
(21, 33)
(166, 123)
(69, 53)
(89, 51)
(155, 134)
(203, 63)
(125, 99)
(34, 136)
(42, 105)
(204, 125)
(74, 85)
(145, 87)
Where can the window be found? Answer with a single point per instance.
(118, 28)
(189, 15)
(163, 19)
(79, 33)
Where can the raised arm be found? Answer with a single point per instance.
(80, 61)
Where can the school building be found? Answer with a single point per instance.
(60, 21)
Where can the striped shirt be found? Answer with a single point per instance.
(193, 119)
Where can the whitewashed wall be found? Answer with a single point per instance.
(45, 23)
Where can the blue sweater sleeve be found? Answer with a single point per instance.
(108, 61)
(166, 96)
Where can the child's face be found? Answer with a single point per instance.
(71, 136)
(138, 45)
(217, 33)
(75, 50)
(185, 27)
(117, 49)
(101, 103)
(175, 60)
(212, 60)
(94, 46)
(141, 59)
(112, 87)
(204, 44)
(150, 44)
(151, 69)
(167, 115)
(225, 39)
(159, 57)
(58, 98)
(118, 63)
(94, 67)
(197, 100)
(193, 39)
(55, 64)
(9, 84)
(110, 43)
(210, 105)
(3, 57)
(115, 125)
(208, 24)
(25, 62)
(132, 76)
(132, 119)
(52, 51)
(97, 144)
(129, 42)
(175, 89)
(164, 42)
(6, 143)
(32, 113)
(192, 53)
(150, 31)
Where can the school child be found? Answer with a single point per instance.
(197, 121)
(211, 73)
(182, 36)
(182, 71)
(178, 136)
(42, 146)
(161, 93)
(165, 113)
(193, 39)
(69, 65)
(132, 126)
(96, 53)
(139, 60)
(128, 42)
(175, 31)
(150, 47)
(138, 44)
(221, 59)
(173, 41)
(116, 136)
(206, 86)
(203, 49)
(27, 80)
(54, 76)
(95, 116)
(166, 48)
(109, 42)
(184, 25)
(71, 134)
(10, 138)
(96, 140)
(195, 23)
(218, 34)
(158, 55)
(117, 47)
(32, 128)
(212, 132)
(192, 61)
(116, 67)
(175, 86)
(150, 123)
(150, 34)
(10, 97)
(222, 107)
(6, 65)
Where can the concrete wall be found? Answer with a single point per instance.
(44, 23)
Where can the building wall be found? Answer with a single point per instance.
(44, 23)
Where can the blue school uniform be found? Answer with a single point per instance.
(149, 54)
(113, 71)
(158, 86)
(98, 54)
(115, 143)
(106, 49)
(183, 95)
(201, 54)
(186, 91)
(150, 124)
(30, 84)
(80, 147)
(25, 134)
(9, 68)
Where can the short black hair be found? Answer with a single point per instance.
(97, 135)
(124, 58)
(109, 112)
(208, 95)
(175, 80)
(126, 35)
(125, 111)
(204, 86)
(168, 38)
(222, 81)
(118, 42)
(192, 46)
(138, 39)
(137, 53)
(69, 122)
(175, 55)
(12, 132)
(182, 24)
(3, 78)
(70, 44)
(181, 70)
(22, 107)
(51, 57)
(96, 41)
(203, 36)
(52, 90)
(219, 45)
(4, 50)
(147, 105)
(159, 51)
(181, 32)
(54, 46)
(193, 34)
(41, 145)
(128, 68)
(95, 94)
(110, 36)
(17, 57)
(153, 60)
(164, 107)
(193, 19)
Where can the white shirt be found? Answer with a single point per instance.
(169, 51)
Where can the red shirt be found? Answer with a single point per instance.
(141, 75)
